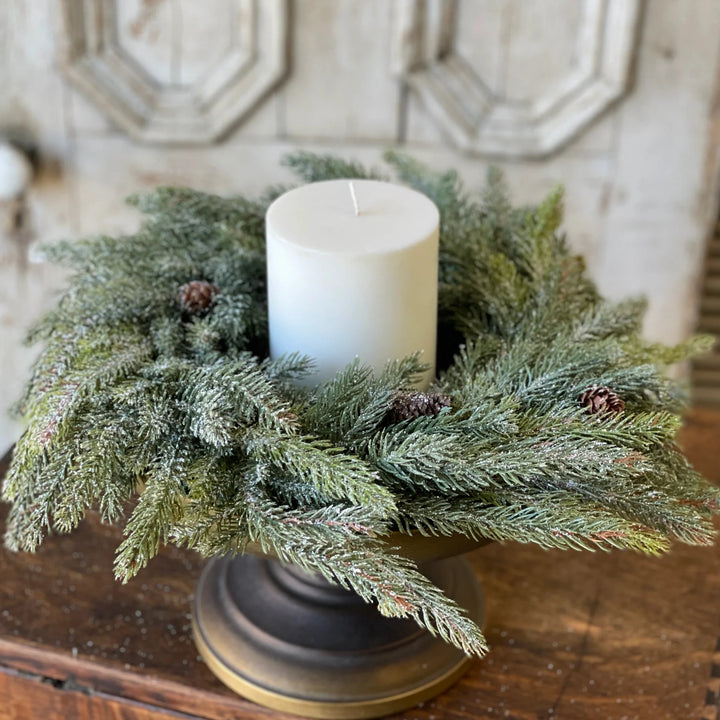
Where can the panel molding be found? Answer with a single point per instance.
(478, 121)
(93, 59)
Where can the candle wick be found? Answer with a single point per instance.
(354, 198)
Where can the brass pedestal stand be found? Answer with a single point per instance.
(291, 641)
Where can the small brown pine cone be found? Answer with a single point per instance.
(598, 400)
(411, 404)
(197, 297)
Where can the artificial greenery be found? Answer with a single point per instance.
(154, 381)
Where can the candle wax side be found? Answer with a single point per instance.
(342, 285)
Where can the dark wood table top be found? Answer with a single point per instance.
(574, 635)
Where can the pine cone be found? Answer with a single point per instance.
(411, 404)
(197, 297)
(600, 400)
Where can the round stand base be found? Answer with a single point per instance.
(291, 641)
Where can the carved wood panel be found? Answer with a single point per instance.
(517, 78)
(148, 66)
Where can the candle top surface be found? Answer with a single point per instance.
(320, 217)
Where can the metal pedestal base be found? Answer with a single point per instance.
(293, 642)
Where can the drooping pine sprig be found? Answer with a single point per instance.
(154, 382)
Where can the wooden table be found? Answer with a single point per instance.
(574, 635)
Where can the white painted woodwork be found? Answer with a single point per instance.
(174, 71)
(340, 87)
(115, 99)
(520, 78)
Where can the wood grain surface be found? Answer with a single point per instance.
(576, 636)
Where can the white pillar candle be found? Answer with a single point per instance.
(345, 284)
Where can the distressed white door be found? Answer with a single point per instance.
(617, 99)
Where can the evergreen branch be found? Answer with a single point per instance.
(229, 395)
(183, 209)
(549, 519)
(287, 368)
(442, 463)
(160, 507)
(310, 167)
(52, 409)
(353, 404)
(364, 566)
(606, 320)
(335, 474)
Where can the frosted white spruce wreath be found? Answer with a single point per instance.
(550, 420)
